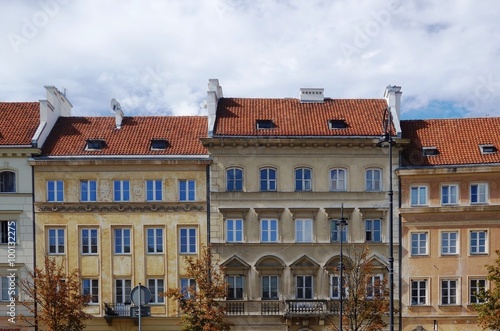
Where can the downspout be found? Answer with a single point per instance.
(34, 240)
(400, 252)
(209, 262)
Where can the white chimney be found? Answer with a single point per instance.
(312, 95)
(393, 97)
(214, 93)
(117, 109)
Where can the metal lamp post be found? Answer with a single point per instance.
(342, 222)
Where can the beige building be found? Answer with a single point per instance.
(282, 169)
(123, 199)
(450, 205)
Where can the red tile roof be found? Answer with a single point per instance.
(457, 141)
(69, 135)
(238, 116)
(18, 122)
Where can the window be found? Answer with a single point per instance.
(156, 288)
(488, 149)
(478, 193)
(55, 191)
(155, 240)
(95, 144)
(234, 179)
(7, 182)
(122, 241)
(6, 289)
(303, 180)
(188, 286)
(187, 190)
(89, 241)
(448, 291)
(335, 287)
(373, 230)
(7, 232)
(449, 194)
(235, 287)
(154, 191)
(56, 241)
(234, 231)
(419, 243)
(338, 231)
(373, 180)
(475, 287)
(269, 231)
(418, 292)
(159, 144)
(337, 124)
(449, 241)
(122, 291)
(304, 287)
(375, 287)
(338, 180)
(269, 287)
(187, 240)
(121, 190)
(418, 195)
(303, 231)
(88, 190)
(90, 287)
(265, 124)
(267, 179)
(430, 151)
(478, 242)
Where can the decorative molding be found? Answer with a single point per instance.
(119, 207)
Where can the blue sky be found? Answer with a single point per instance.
(155, 57)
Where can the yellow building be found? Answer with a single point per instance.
(123, 199)
(450, 203)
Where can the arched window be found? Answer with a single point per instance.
(7, 181)
(267, 179)
(373, 180)
(303, 179)
(234, 180)
(338, 180)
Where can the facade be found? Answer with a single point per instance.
(284, 171)
(123, 199)
(450, 206)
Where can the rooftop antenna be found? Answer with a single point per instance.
(117, 109)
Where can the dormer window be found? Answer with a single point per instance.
(337, 124)
(265, 124)
(159, 144)
(430, 151)
(95, 145)
(488, 149)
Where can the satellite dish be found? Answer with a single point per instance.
(115, 105)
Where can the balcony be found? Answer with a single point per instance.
(287, 308)
(311, 308)
(242, 307)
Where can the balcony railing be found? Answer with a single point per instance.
(243, 307)
(292, 308)
(116, 310)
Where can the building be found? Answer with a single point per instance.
(450, 205)
(123, 199)
(282, 170)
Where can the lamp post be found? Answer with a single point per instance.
(341, 223)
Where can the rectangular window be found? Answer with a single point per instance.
(303, 179)
(8, 232)
(375, 287)
(418, 292)
(338, 231)
(269, 231)
(187, 190)
(89, 241)
(122, 241)
(448, 291)
(373, 180)
(56, 241)
(187, 240)
(418, 195)
(449, 242)
(267, 179)
(121, 189)
(269, 287)
(338, 180)
(5, 284)
(476, 286)
(335, 287)
(234, 231)
(155, 240)
(55, 191)
(419, 243)
(449, 194)
(478, 193)
(235, 287)
(156, 288)
(373, 230)
(304, 289)
(478, 242)
(154, 191)
(188, 287)
(122, 291)
(90, 287)
(88, 191)
(303, 231)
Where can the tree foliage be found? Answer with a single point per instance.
(199, 305)
(361, 312)
(56, 296)
(489, 309)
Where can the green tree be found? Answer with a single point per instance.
(199, 304)
(489, 308)
(56, 297)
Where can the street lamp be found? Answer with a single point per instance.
(341, 223)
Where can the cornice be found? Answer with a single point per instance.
(119, 207)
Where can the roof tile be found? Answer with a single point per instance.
(18, 122)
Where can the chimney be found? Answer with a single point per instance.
(214, 94)
(312, 95)
(117, 109)
(393, 97)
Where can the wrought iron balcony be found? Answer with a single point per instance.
(311, 308)
(243, 307)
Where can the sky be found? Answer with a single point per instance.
(156, 56)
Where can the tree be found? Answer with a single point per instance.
(56, 298)
(489, 308)
(198, 303)
(365, 296)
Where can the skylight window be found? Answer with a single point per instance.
(95, 144)
(430, 151)
(337, 124)
(265, 124)
(159, 144)
(488, 149)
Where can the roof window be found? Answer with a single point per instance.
(95, 144)
(430, 151)
(488, 149)
(337, 124)
(159, 144)
(265, 124)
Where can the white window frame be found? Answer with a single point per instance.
(232, 183)
(304, 287)
(419, 196)
(271, 184)
(155, 188)
(372, 230)
(478, 246)
(304, 230)
(56, 236)
(8, 231)
(184, 284)
(269, 232)
(419, 289)
(57, 191)
(450, 247)
(233, 282)
(305, 183)
(93, 289)
(419, 242)
(125, 232)
(482, 193)
(156, 286)
(379, 291)
(449, 297)
(86, 234)
(339, 183)
(5, 288)
(373, 184)
(8, 180)
(125, 285)
(270, 287)
(475, 288)
(86, 196)
(121, 190)
(334, 286)
(452, 197)
(157, 235)
(189, 237)
(234, 228)
(189, 190)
